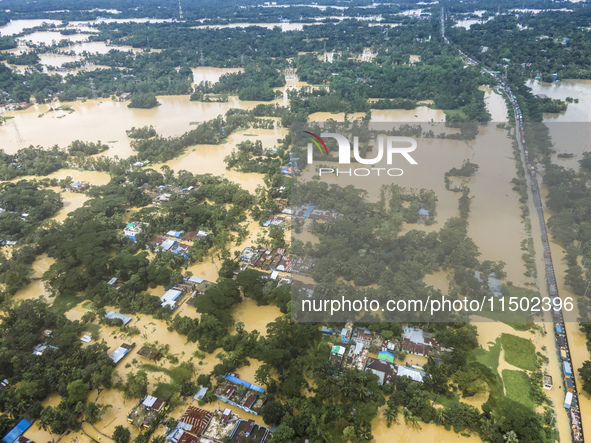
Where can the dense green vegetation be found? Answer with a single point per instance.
(535, 44)
(365, 246)
(144, 100)
(64, 367)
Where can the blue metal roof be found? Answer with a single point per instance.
(239, 381)
(236, 380)
(18, 430)
(257, 388)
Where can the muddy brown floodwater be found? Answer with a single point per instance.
(403, 432)
(36, 288)
(570, 137)
(498, 233)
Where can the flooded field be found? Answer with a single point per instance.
(419, 114)
(209, 159)
(172, 118)
(36, 288)
(405, 432)
(490, 188)
(209, 74)
(572, 136)
(495, 104)
(17, 26)
(576, 89)
(255, 317)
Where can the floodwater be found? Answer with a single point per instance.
(285, 26)
(467, 23)
(576, 89)
(209, 74)
(50, 37)
(419, 114)
(72, 201)
(495, 104)
(498, 234)
(203, 159)
(37, 126)
(255, 317)
(17, 26)
(336, 116)
(405, 432)
(568, 138)
(36, 288)
(439, 280)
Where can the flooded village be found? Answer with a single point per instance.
(177, 299)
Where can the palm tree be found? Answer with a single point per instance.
(410, 419)
(391, 415)
(414, 422)
(511, 437)
(440, 416)
(45, 422)
(365, 434)
(406, 414)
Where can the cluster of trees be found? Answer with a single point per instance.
(143, 79)
(438, 77)
(249, 157)
(213, 12)
(142, 133)
(364, 245)
(145, 100)
(535, 44)
(64, 368)
(38, 161)
(16, 199)
(256, 82)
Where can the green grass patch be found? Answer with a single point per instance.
(507, 316)
(455, 113)
(63, 303)
(521, 326)
(517, 387)
(153, 368)
(165, 391)
(490, 357)
(519, 352)
(88, 305)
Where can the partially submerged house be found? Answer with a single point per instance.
(149, 354)
(250, 432)
(193, 422)
(416, 341)
(240, 393)
(14, 434)
(113, 315)
(145, 412)
(121, 352)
